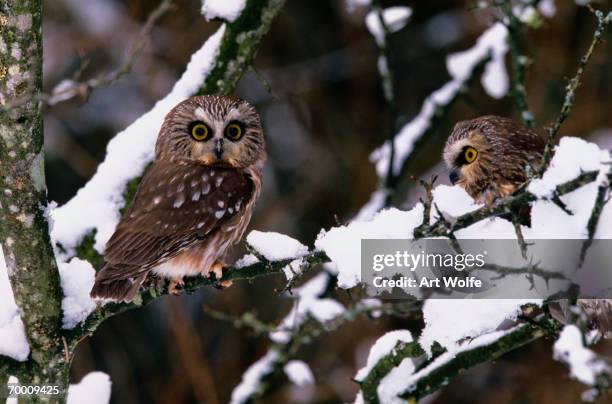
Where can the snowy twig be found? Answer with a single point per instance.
(509, 204)
(440, 370)
(519, 62)
(160, 288)
(386, 75)
(401, 351)
(69, 89)
(603, 197)
(305, 333)
(572, 87)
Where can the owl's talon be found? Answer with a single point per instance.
(217, 269)
(172, 287)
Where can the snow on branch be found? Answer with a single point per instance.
(104, 193)
(313, 313)
(585, 365)
(489, 50)
(215, 68)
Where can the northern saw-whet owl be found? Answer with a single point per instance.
(490, 157)
(194, 201)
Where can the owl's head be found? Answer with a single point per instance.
(490, 152)
(467, 154)
(213, 130)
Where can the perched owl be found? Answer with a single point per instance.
(490, 156)
(195, 200)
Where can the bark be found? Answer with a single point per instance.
(24, 232)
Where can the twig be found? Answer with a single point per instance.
(69, 89)
(519, 62)
(401, 351)
(309, 329)
(603, 197)
(160, 288)
(437, 373)
(386, 75)
(571, 88)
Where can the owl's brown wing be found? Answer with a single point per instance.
(176, 206)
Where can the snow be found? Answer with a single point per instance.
(299, 373)
(547, 8)
(13, 340)
(461, 67)
(294, 268)
(343, 244)
(372, 206)
(275, 246)
(393, 383)
(77, 279)
(403, 378)
(382, 347)
(94, 388)
(252, 377)
(128, 154)
(452, 201)
(228, 10)
(395, 19)
(450, 322)
(584, 364)
(493, 42)
(572, 157)
(246, 260)
(308, 305)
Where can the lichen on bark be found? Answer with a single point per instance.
(24, 231)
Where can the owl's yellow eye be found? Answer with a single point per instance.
(233, 131)
(200, 132)
(470, 154)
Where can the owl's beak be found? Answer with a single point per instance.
(453, 176)
(218, 148)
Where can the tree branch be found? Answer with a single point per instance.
(572, 87)
(438, 372)
(159, 288)
(68, 89)
(519, 62)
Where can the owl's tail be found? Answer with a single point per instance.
(120, 290)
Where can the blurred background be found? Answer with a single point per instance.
(323, 112)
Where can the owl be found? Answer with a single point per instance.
(491, 156)
(193, 203)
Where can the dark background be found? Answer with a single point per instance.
(323, 117)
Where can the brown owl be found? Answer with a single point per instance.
(195, 200)
(490, 156)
